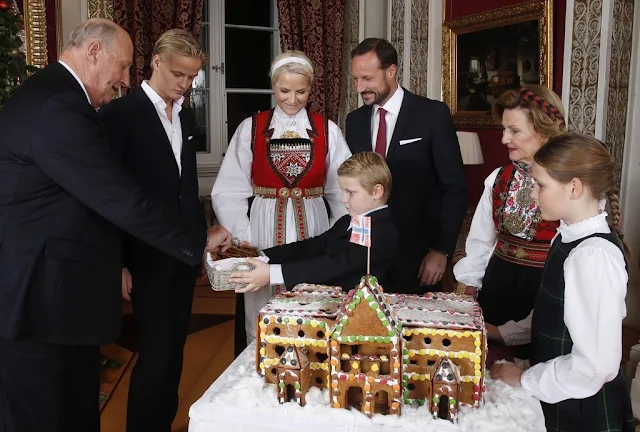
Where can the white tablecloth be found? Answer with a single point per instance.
(240, 401)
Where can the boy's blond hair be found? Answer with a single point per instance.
(369, 169)
(180, 42)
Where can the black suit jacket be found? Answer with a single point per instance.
(139, 140)
(62, 198)
(331, 259)
(429, 195)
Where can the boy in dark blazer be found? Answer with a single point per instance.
(152, 134)
(331, 259)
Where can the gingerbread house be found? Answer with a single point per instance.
(365, 354)
(377, 351)
(440, 326)
(293, 375)
(301, 318)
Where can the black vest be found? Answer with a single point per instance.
(610, 408)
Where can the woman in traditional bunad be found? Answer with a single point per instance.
(278, 175)
(508, 242)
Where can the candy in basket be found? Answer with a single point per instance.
(220, 265)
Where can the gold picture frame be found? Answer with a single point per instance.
(469, 89)
(35, 30)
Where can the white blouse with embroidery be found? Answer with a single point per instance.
(518, 219)
(233, 187)
(594, 307)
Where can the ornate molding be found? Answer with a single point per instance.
(35, 32)
(540, 10)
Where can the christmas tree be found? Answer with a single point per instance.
(13, 64)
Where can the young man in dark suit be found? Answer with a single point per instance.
(418, 140)
(152, 133)
(331, 258)
(63, 200)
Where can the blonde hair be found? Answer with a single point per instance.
(297, 68)
(180, 42)
(370, 169)
(570, 156)
(544, 123)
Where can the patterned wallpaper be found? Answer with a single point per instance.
(100, 9)
(419, 41)
(348, 94)
(619, 68)
(419, 45)
(585, 58)
(397, 32)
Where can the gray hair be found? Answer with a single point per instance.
(96, 29)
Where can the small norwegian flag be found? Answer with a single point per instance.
(361, 230)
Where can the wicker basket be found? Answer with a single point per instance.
(219, 280)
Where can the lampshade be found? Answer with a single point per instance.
(470, 148)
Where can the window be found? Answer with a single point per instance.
(241, 38)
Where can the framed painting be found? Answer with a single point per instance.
(487, 53)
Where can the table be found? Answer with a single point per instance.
(239, 400)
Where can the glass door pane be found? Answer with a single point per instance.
(248, 12)
(199, 96)
(243, 105)
(248, 55)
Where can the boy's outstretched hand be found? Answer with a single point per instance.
(255, 279)
(507, 372)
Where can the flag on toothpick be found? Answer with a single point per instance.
(361, 235)
(361, 230)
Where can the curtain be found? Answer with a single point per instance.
(146, 20)
(348, 93)
(316, 28)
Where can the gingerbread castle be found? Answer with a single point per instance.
(374, 351)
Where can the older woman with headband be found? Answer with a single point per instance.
(278, 175)
(509, 242)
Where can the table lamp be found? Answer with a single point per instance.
(470, 148)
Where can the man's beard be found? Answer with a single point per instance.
(382, 95)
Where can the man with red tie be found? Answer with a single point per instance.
(418, 140)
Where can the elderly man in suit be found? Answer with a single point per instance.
(152, 133)
(64, 199)
(418, 140)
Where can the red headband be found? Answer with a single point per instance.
(552, 112)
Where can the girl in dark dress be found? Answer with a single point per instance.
(576, 325)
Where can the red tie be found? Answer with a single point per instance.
(381, 138)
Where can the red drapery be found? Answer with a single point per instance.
(316, 28)
(146, 20)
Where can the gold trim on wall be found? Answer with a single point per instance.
(35, 32)
(540, 10)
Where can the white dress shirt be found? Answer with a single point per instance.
(75, 75)
(392, 107)
(173, 127)
(595, 288)
(234, 186)
(481, 240)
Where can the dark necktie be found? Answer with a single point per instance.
(381, 138)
